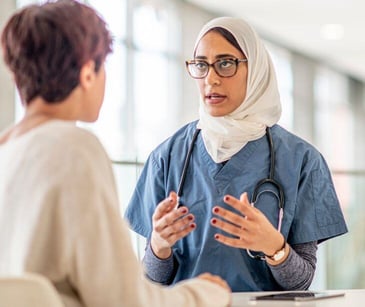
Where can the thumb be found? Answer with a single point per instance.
(244, 198)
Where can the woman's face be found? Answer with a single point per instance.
(221, 96)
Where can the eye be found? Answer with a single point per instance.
(226, 64)
(201, 65)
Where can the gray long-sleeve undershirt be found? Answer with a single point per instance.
(295, 273)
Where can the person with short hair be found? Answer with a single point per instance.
(59, 209)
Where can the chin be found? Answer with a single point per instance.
(216, 110)
(94, 119)
(216, 113)
(91, 118)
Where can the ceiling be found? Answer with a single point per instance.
(298, 25)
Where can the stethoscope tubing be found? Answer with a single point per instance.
(186, 164)
(269, 180)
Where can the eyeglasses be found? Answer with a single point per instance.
(224, 68)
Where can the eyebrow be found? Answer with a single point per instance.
(219, 56)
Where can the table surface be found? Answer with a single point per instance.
(353, 297)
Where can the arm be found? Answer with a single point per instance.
(252, 230)
(169, 225)
(107, 273)
(103, 267)
(297, 271)
(159, 270)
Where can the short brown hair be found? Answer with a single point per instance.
(46, 45)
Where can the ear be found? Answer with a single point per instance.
(87, 74)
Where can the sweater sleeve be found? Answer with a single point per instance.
(107, 272)
(159, 270)
(297, 271)
(104, 269)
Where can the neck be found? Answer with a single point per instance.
(29, 122)
(64, 110)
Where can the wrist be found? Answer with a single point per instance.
(161, 253)
(273, 244)
(279, 256)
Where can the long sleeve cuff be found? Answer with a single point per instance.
(297, 271)
(158, 270)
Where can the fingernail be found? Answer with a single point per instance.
(216, 210)
(226, 198)
(183, 210)
(192, 225)
(190, 218)
(216, 236)
(214, 221)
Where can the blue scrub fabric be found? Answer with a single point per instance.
(311, 211)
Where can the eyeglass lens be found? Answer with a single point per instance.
(224, 68)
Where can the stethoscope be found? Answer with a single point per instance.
(258, 190)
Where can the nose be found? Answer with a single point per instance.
(212, 77)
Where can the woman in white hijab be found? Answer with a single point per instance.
(237, 151)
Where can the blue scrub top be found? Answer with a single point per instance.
(311, 211)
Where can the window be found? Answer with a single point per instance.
(147, 98)
(282, 64)
(335, 118)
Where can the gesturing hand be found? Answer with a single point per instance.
(251, 229)
(169, 225)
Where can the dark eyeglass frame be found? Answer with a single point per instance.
(235, 60)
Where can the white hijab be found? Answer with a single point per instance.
(224, 136)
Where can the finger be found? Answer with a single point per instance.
(177, 226)
(165, 206)
(238, 230)
(226, 227)
(242, 242)
(244, 199)
(182, 222)
(181, 234)
(241, 206)
(230, 216)
(169, 218)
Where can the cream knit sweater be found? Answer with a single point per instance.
(59, 217)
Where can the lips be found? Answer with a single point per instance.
(214, 98)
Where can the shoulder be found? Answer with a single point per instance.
(289, 140)
(78, 160)
(69, 137)
(72, 134)
(62, 142)
(292, 148)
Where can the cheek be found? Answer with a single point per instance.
(200, 86)
(103, 85)
(241, 88)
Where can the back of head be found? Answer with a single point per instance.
(46, 45)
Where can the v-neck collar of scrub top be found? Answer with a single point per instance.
(223, 173)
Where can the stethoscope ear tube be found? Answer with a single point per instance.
(185, 167)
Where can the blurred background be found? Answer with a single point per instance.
(319, 56)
